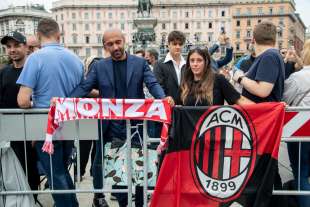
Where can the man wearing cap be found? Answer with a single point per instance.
(17, 49)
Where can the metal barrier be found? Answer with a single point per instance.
(26, 125)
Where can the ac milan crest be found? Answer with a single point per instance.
(223, 152)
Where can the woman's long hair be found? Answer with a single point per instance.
(204, 89)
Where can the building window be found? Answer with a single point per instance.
(174, 14)
(99, 52)
(76, 51)
(73, 15)
(248, 22)
(175, 26)
(99, 38)
(270, 10)
(74, 38)
(110, 25)
(280, 44)
(197, 37)
(73, 27)
(223, 13)
(210, 13)
(238, 23)
(86, 27)
(163, 26)
(186, 26)
(280, 33)
(238, 11)
(122, 26)
(210, 37)
(56, 18)
(281, 10)
(20, 26)
(198, 14)
(110, 15)
(87, 52)
(87, 39)
(237, 46)
(122, 15)
(198, 25)
(210, 25)
(86, 15)
(260, 10)
(98, 26)
(238, 34)
(248, 33)
(98, 15)
(186, 14)
(163, 14)
(281, 22)
(249, 11)
(62, 28)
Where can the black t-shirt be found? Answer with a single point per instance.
(246, 64)
(267, 67)
(118, 127)
(8, 87)
(222, 90)
(120, 78)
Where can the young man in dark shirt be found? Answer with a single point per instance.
(17, 50)
(264, 82)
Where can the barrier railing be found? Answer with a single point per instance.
(26, 125)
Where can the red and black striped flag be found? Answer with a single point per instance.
(221, 156)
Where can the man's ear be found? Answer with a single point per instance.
(38, 37)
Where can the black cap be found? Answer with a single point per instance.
(19, 37)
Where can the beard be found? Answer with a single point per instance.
(16, 57)
(117, 54)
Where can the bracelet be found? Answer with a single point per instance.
(240, 79)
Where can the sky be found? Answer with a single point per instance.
(302, 6)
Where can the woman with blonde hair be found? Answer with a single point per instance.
(201, 86)
(297, 93)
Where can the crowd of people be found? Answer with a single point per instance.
(41, 68)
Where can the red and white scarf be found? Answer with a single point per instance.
(67, 109)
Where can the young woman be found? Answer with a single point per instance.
(201, 86)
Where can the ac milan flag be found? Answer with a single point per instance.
(221, 156)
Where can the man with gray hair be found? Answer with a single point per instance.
(151, 56)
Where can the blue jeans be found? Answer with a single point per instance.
(154, 129)
(293, 151)
(61, 177)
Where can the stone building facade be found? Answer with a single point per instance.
(21, 18)
(246, 14)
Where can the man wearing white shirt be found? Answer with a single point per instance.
(168, 69)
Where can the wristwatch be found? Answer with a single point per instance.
(240, 79)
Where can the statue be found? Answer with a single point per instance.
(144, 6)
